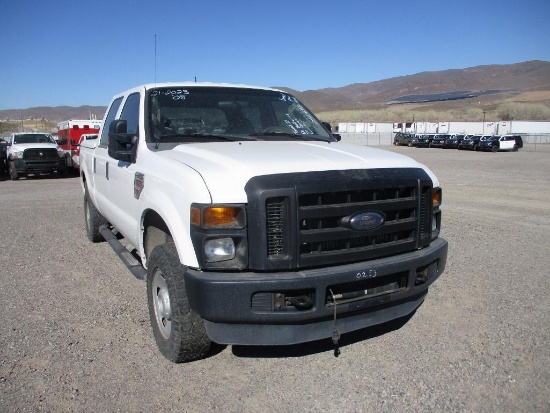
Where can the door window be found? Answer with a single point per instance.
(130, 113)
(110, 117)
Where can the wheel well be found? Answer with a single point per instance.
(155, 232)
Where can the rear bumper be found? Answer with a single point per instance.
(245, 308)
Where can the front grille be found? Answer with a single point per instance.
(276, 217)
(320, 216)
(302, 220)
(40, 154)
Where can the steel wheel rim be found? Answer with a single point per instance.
(161, 304)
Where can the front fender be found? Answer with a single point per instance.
(172, 200)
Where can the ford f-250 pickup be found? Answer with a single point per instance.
(251, 222)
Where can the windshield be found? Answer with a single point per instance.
(33, 138)
(202, 114)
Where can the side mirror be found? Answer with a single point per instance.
(121, 144)
(61, 141)
(327, 126)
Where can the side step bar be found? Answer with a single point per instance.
(126, 256)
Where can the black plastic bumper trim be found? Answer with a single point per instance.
(224, 299)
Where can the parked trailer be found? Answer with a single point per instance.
(407, 127)
(522, 126)
(69, 133)
(451, 127)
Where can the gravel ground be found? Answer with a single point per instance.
(76, 336)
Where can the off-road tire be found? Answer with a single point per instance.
(92, 219)
(14, 176)
(178, 330)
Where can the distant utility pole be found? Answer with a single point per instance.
(484, 122)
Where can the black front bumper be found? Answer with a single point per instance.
(23, 166)
(239, 307)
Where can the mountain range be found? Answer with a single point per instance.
(498, 81)
(528, 80)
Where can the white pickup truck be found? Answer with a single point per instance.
(251, 223)
(33, 153)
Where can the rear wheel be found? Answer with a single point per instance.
(494, 148)
(178, 330)
(396, 142)
(515, 148)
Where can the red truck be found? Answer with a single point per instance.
(69, 134)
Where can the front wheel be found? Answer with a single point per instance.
(515, 148)
(178, 330)
(494, 148)
(14, 176)
(92, 219)
(396, 142)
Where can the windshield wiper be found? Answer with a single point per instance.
(201, 137)
(287, 134)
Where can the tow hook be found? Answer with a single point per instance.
(335, 332)
(302, 302)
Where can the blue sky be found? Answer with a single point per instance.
(57, 52)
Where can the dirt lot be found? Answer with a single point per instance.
(76, 337)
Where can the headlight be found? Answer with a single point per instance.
(219, 235)
(436, 197)
(436, 217)
(17, 154)
(60, 152)
(216, 250)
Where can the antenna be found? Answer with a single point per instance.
(155, 59)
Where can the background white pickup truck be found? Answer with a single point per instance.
(251, 222)
(33, 153)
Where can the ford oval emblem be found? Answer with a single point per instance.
(364, 221)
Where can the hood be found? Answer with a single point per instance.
(23, 146)
(226, 167)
